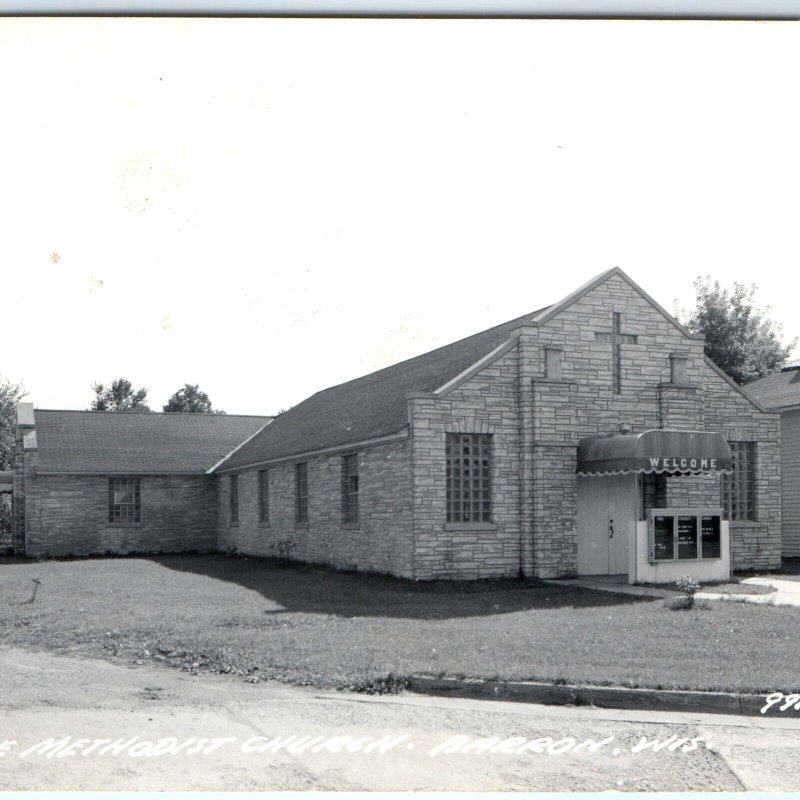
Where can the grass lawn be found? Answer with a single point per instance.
(312, 626)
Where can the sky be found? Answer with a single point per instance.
(270, 207)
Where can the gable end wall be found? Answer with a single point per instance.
(537, 424)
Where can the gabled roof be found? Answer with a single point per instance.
(370, 407)
(780, 390)
(375, 406)
(102, 442)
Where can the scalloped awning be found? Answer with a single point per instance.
(654, 451)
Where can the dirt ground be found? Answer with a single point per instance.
(57, 708)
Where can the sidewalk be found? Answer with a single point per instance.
(787, 593)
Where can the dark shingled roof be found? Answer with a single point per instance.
(776, 391)
(107, 442)
(368, 407)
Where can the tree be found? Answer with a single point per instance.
(10, 395)
(740, 338)
(120, 396)
(190, 400)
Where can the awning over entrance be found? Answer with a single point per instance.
(654, 451)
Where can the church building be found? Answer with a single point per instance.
(589, 437)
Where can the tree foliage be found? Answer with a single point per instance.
(119, 396)
(10, 395)
(191, 400)
(740, 338)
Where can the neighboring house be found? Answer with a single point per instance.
(781, 392)
(91, 482)
(589, 437)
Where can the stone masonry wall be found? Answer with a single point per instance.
(537, 422)
(68, 515)
(693, 491)
(755, 544)
(382, 540)
(585, 405)
(486, 403)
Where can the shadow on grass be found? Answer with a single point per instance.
(319, 590)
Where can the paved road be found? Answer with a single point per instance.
(80, 724)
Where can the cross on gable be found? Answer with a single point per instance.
(617, 339)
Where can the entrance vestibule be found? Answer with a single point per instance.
(648, 516)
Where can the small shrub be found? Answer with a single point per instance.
(689, 586)
(285, 548)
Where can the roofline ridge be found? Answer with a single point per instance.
(159, 413)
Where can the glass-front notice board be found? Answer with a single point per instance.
(684, 534)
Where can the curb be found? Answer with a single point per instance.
(599, 696)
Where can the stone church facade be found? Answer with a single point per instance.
(607, 356)
(498, 455)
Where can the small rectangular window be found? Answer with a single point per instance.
(263, 496)
(679, 374)
(124, 500)
(553, 364)
(469, 477)
(350, 489)
(301, 493)
(233, 498)
(739, 487)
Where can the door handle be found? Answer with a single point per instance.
(611, 529)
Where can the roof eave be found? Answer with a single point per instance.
(732, 383)
(475, 368)
(335, 448)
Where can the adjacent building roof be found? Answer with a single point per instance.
(776, 391)
(369, 407)
(106, 442)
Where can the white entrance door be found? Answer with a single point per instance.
(607, 511)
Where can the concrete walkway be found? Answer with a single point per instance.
(787, 593)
